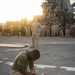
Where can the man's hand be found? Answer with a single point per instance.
(29, 73)
(33, 74)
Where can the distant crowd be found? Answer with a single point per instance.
(47, 30)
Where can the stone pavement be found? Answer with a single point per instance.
(11, 45)
(14, 45)
(26, 41)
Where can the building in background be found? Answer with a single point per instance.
(58, 11)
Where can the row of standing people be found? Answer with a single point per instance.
(15, 30)
(47, 30)
(58, 30)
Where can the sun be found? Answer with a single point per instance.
(17, 9)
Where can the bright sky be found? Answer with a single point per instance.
(17, 9)
(72, 1)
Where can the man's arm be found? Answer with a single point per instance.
(22, 70)
(32, 69)
(31, 27)
(42, 26)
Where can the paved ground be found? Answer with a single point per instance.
(22, 41)
(57, 54)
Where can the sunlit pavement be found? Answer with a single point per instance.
(6, 41)
(57, 54)
(14, 45)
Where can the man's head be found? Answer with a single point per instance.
(34, 54)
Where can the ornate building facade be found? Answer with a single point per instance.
(55, 10)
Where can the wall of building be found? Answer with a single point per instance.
(68, 4)
(62, 4)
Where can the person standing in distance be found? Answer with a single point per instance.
(36, 29)
(23, 60)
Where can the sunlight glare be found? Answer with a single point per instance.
(17, 9)
(72, 1)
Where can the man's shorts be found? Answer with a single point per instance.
(14, 72)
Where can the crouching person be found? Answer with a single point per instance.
(23, 60)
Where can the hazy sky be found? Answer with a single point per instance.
(72, 1)
(17, 9)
